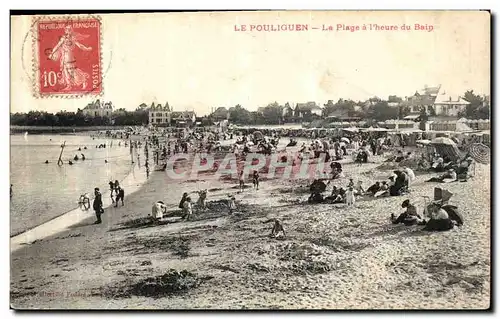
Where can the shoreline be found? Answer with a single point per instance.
(132, 183)
(63, 213)
(14, 129)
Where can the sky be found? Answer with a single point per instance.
(197, 61)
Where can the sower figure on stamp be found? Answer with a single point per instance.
(63, 51)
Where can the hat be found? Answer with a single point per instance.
(96, 189)
(405, 203)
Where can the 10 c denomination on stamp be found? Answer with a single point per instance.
(67, 57)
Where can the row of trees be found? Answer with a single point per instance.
(120, 117)
(374, 108)
(274, 113)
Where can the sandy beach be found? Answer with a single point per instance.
(333, 257)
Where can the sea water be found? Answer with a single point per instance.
(42, 191)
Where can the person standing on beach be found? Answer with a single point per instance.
(255, 179)
(111, 189)
(242, 181)
(232, 204)
(120, 195)
(187, 208)
(98, 205)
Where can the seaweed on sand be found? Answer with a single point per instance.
(179, 246)
(171, 283)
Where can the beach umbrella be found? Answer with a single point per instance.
(258, 135)
(480, 153)
(346, 140)
(443, 141)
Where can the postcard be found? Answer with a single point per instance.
(251, 160)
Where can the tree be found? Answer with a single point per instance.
(381, 111)
(240, 115)
(478, 108)
(403, 111)
(273, 113)
(432, 111)
(343, 106)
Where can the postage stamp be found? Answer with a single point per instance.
(67, 57)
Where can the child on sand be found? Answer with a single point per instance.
(242, 182)
(232, 205)
(158, 209)
(255, 179)
(349, 196)
(351, 183)
(187, 208)
(202, 200)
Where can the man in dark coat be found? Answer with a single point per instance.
(98, 205)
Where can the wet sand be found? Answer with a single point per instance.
(332, 258)
(131, 183)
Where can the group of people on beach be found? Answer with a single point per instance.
(397, 184)
(117, 193)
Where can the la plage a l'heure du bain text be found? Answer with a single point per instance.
(339, 27)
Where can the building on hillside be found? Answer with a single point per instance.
(287, 111)
(160, 115)
(448, 105)
(422, 99)
(308, 110)
(98, 108)
(183, 119)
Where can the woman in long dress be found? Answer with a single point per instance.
(63, 51)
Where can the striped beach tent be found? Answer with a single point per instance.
(446, 147)
(480, 153)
